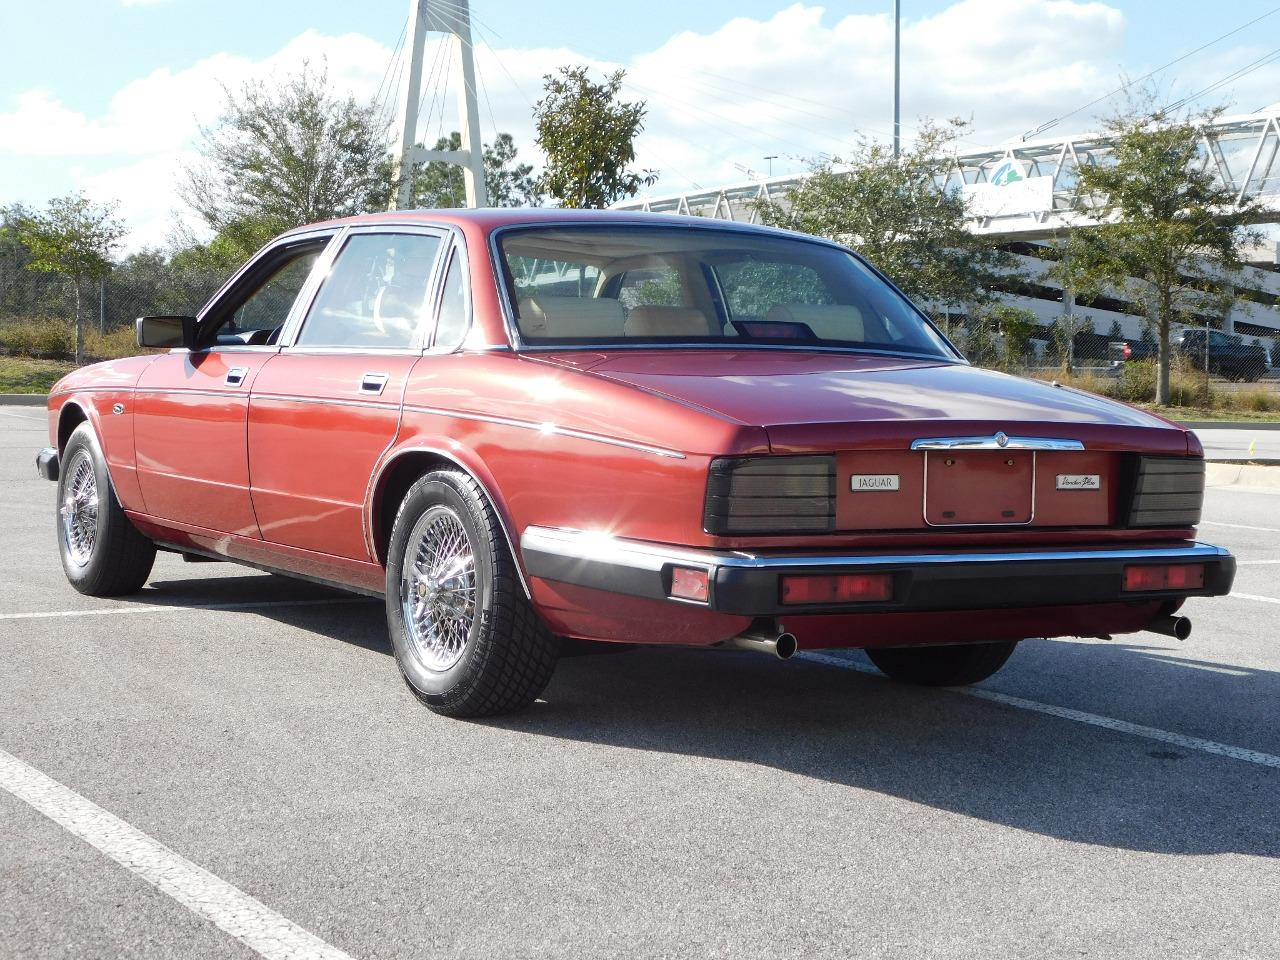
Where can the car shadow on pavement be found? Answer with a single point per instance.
(1043, 774)
(1038, 773)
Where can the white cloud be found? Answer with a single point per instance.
(795, 85)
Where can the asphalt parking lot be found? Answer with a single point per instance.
(1095, 799)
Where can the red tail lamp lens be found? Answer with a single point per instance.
(842, 588)
(689, 583)
(1183, 576)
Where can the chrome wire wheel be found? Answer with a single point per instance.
(79, 509)
(438, 588)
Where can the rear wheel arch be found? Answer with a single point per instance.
(402, 471)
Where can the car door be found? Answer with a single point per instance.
(323, 411)
(191, 407)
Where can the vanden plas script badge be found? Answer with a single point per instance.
(1079, 481)
(873, 482)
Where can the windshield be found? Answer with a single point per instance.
(640, 285)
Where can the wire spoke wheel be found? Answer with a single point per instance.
(79, 509)
(438, 589)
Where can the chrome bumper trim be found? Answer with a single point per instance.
(584, 545)
(747, 583)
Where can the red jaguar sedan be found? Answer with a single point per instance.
(524, 426)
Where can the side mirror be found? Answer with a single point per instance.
(167, 332)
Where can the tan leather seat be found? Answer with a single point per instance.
(827, 321)
(542, 315)
(669, 322)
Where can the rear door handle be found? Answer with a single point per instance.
(236, 375)
(373, 382)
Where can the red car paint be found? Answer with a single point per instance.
(291, 467)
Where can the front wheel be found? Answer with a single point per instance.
(103, 554)
(948, 666)
(467, 640)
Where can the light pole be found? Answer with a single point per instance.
(771, 157)
(897, 76)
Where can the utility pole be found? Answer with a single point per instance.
(897, 77)
(452, 17)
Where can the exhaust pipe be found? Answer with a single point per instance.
(1178, 627)
(767, 637)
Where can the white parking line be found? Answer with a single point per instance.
(1080, 716)
(1239, 526)
(1253, 596)
(1245, 563)
(173, 608)
(227, 907)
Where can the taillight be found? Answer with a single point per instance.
(689, 583)
(839, 588)
(1183, 576)
(1167, 492)
(1128, 351)
(750, 495)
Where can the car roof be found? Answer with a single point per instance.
(491, 218)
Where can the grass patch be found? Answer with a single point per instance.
(27, 375)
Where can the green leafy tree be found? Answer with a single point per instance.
(439, 185)
(73, 237)
(893, 211)
(286, 154)
(1164, 219)
(588, 136)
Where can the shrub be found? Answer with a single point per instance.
(1137, 382)
(120, 342)
(1257, 401)
(45, 338)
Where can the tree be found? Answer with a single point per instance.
(287, 154)
(1168, 230)
(509, 184)
(74, 237)
(893, 211)
(588, 135)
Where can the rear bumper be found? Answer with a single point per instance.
(749, 584)
(47, 463)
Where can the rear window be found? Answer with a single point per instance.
(636, 285)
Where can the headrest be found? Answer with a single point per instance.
(547, 316)
(668, 322)
(827, 321)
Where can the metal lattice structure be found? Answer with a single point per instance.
(1242, 149)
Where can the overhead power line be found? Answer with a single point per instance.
(1147, 76)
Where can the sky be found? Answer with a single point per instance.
(108, 97)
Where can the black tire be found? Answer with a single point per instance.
(118, 559)
(508, 655)
(954, 665)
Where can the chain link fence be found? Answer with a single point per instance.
(38, 310)
(1210, 369)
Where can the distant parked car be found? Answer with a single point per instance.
(1229, 355)
(518, 426)
(1122, 351)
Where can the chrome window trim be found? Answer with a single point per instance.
(498, 269)
(993, 442)
(588, 545)
(550, 429)
(457, 249)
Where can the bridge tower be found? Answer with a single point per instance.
(452, 17)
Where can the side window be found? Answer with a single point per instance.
(651, 287)
(258, 309)
(453, 322)
(376, 293)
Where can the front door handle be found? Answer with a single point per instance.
(236, 375)
(373, 382)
